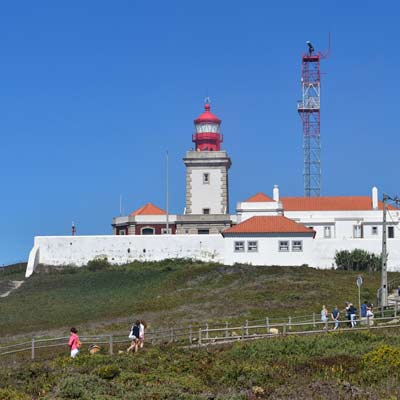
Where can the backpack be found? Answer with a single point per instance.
(131, 335)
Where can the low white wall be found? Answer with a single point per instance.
(323, 253)
(78, 250)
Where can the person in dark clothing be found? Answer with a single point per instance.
(364, 308)
(352, 312)
(134, 335)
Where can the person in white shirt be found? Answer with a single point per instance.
(142, 327)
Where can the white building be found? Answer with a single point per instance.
(263, 231)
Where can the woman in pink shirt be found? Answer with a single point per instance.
(74, 343)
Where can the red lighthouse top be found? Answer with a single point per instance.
(207, 136)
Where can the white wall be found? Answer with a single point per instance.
(78, 250)
(206, 195)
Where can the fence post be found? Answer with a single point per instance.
(33, 349)
(395, 307)
(267, 324)
(247, 327)
(199, 336)
(368, 322)
(326, 326)
(284, 329)
(290, 323)
(226, 329)
(172, 334)
(190, 334)
(313, 318)
(206, 330)
(111, 345)
(242, 332)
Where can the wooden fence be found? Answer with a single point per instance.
(206, 334)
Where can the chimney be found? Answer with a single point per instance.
(275, 193)
(374, 198)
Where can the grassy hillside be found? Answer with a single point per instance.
(104, 298)
(331, 366)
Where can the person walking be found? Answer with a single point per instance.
(364, 308)
(74, 343)
(352, 312)
(134, 336)
(335, 316)
(324, 316)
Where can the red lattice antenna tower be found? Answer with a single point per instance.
(309, 109)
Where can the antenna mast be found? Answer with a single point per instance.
(309, 109)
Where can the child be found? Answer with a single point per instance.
(74, 342)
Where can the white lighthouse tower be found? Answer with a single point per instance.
(207, 196)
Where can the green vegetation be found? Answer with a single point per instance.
(331, 366)
(358, 260)
(103, 298)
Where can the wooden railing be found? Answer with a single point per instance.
(206, 334)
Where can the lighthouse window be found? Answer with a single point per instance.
(206, 178)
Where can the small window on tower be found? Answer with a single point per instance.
(206, 178)
(206, 211)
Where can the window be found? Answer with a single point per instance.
(206, 178)
(122, 232)
(357, 231)
(390, 232)
(284, 245)
(206, 211)
(252, 246)
(147, 231)
(165, 231)
(327, 232)
(203, 231)
(374, 230)
(239, 247)
(297, 245)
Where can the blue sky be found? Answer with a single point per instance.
(93, 93)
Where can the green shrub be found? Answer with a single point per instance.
(358, 260)
(10, 394)
(382, 362)
(72, 388)
(108, 371)
(98, 264)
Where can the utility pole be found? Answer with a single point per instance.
(167, 192)
(384, 288)
(384, 292)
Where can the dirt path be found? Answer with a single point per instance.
(14, 286)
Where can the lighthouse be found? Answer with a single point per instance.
(207, 197)
(207, 136)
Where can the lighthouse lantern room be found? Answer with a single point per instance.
(207, 136)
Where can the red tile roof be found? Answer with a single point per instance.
(259, 197)
(331, 203)
(149, 209)
(271, 224)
